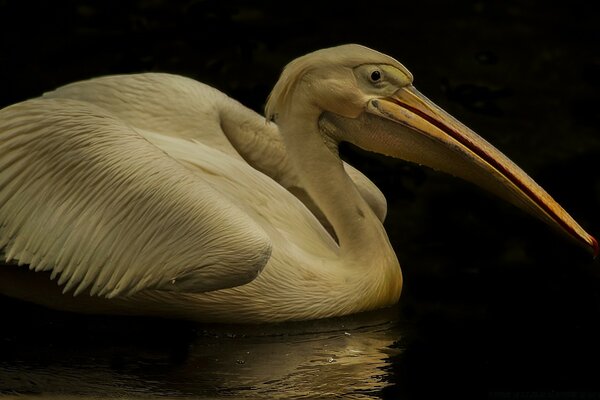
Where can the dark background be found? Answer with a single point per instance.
(499, 303)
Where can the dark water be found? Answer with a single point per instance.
(56, 355)
(495, 305)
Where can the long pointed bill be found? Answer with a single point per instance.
(438, 140)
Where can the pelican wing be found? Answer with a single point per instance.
(84, 195)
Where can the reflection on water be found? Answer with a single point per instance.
(87, 357)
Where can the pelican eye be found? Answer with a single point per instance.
(375, 76)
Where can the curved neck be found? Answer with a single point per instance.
(315, 157)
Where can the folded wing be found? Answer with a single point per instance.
(83, 195)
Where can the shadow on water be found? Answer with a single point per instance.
(58, 355)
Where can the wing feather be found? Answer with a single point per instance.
(177, 106)
(86, 196)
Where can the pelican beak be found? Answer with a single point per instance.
(436, 139)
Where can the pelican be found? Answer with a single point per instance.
(154, 194)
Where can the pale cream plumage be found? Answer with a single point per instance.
(141, 192)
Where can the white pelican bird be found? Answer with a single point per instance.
(154, 194)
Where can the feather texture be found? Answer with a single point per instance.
(85, 196)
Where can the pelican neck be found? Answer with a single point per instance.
(315, 157)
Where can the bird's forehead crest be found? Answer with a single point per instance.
(348, 55)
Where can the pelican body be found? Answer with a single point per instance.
(154, 194)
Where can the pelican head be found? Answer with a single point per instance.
(341, 80)
(358, 95)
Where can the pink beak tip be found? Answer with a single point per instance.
(595, 247)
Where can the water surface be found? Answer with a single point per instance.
(86, 357)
